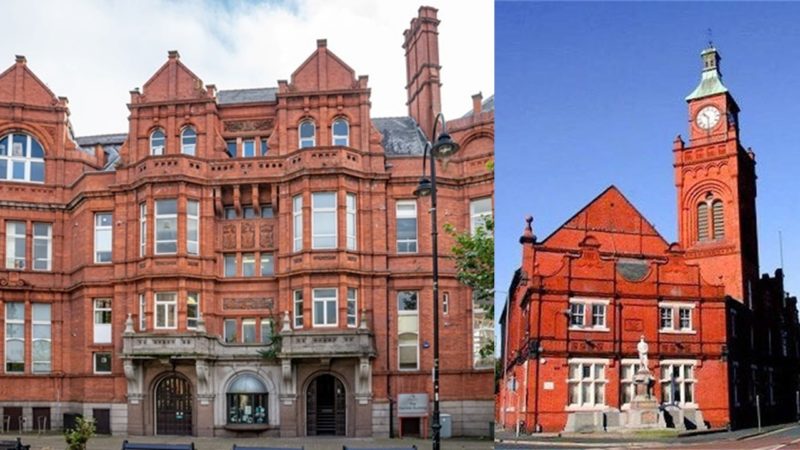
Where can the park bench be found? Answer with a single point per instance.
(141, 446)
(239, 447)
(413, 447)
(14, 445)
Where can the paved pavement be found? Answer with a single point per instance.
(781, 437)
(56, 442)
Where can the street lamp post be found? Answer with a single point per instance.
(443, 147)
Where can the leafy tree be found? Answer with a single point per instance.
(78, 436)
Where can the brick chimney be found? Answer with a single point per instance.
(422, 69)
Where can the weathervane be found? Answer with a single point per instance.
(710, 38)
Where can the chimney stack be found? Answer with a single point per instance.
(423, 87)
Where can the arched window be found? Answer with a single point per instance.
(247, 401)
(188, 141)
(341, 132)
(157, 142)
(21, 158)
(702, 221)
(308, 133)
(718, 218)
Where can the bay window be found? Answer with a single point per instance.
(193, 227)
(298, 308)
(166, 310)
(166, 226)
(352, 307)
(297, 222)
(351, 221)
(323, 220)
(325, 307)
(192, 309)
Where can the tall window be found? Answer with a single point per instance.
(588, 314)
(307, 134)
(351, 221)
(248, 264)
(249, 148)
(482, 335)
(719, 219)
(406, 226)
(157, 142)
(341, 132)
(266, 331)
(352, 307)
(21, 158)
(702, 222)
(102, 321)
(166, 310)
(677, 382)
(15, 245)
(323, 220)
(248, 331)
(297, 222)
(42, 246)
(713, 209)
(298, 308)
(264, 146)
(103, 238)
(587, 383)
(193, 227)
(408, 330)
(42, 339)
(230, 264)
(230, 330)
(142, 316)
(325, 307)
(166, 226)
(479, 211)
(192, 309)
(142, 228)
(627, 385)
(15, 337)
(230, 148)
(267, 265)
(188, 141)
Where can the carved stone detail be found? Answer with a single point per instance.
(248, 235)
(235, 126)
(266, 235)
(229, 236)
(133, 376)
(247, 303)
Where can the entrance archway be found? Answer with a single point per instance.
(326, 407)
(173, 406)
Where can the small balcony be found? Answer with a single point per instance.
(185, 346)
(338, 343)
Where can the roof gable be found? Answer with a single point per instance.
(323, 71)
(614, 222)
(173, 81)
(18, 84)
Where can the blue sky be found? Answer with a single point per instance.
(592, 94)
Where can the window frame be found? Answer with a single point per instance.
(351, 221)
(352, 300)
(48, 238)
(675, 319)
(680, 381)
(400, 334)
(270, 260)
(338, 139)
(166, 218)
(627, 385)
(319, 213)
(475, 216)
(94, 363)
(188, 146)
(192, 218)
(27, 160)
(100, 229)
(8, 323)
(232, 259)
(100, 328)
(297, 300)
(142, 229)
(588, 314)
(297, 223)
(192, 319)
(49, 339)
(592, 380)
(142, 312)
(406, 215)
(306, 142)
(326, 323)
(249, 322)
(168, 324)
(158, 150)
(249, 261)
(16, 262)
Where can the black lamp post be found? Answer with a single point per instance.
(442, 148)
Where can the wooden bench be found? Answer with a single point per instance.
(14, 445)
(141, 446)
(239, 447)
(413, 447)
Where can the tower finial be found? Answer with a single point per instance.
(527, 233)
(710, 35)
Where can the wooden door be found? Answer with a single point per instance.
(174, 406)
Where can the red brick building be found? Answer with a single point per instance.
(588, 293)
(238, 261)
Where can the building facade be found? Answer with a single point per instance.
(721, 340)
(240, 261)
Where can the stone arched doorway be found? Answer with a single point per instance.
(326, 407)
(173, 406)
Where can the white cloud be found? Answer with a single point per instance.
(95, 52)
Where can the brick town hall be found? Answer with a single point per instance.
(608, 326)
(240, 261)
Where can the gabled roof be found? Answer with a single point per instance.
(614, 222)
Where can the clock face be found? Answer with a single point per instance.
(708, 117)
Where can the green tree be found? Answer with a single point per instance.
(474, 258)
(78, 436)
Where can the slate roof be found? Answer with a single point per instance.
(486, 105)
(256, 95)
(111, 144)
(401, 136)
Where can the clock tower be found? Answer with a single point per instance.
(716, 183)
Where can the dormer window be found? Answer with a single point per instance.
(21, 158)
(157, 142)
(341, 132)
(308, 133)
(188, 141)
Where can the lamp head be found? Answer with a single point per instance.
(424, 188)
(444, 146)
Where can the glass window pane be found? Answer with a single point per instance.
(19, 147)
(231, 146)
(3, 169)
(15, 311)
(407, 301)
(40, 312)
(18, 170)
(267, 265)
(248, 148)
(36, 149)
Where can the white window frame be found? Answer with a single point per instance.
(297, 304)
(13, 260)
(674, 309)
(94, 363)
(588, 314)
(297, 223)
(158, 150)
(351, 221)
(10, 322)
(344, 140)
(188, 148)
(479, 216)
(49, 339)
(681, 381)
(352, 299)
(306, 142)
(445, 303)
(626, 383)
(48, 239)
(98, 229)
(252, 143)
(407, 215)
(102, 331)
(400, 343)
(326, 323)
(142, 315)
(142, 229)
(249, 322)
(171, 218)
(319, 213)
(482, 332)
(27, 160)
(192, 219)
(170, 310)
(192, 320)
(591, 404)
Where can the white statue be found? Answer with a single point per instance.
(642, 347)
